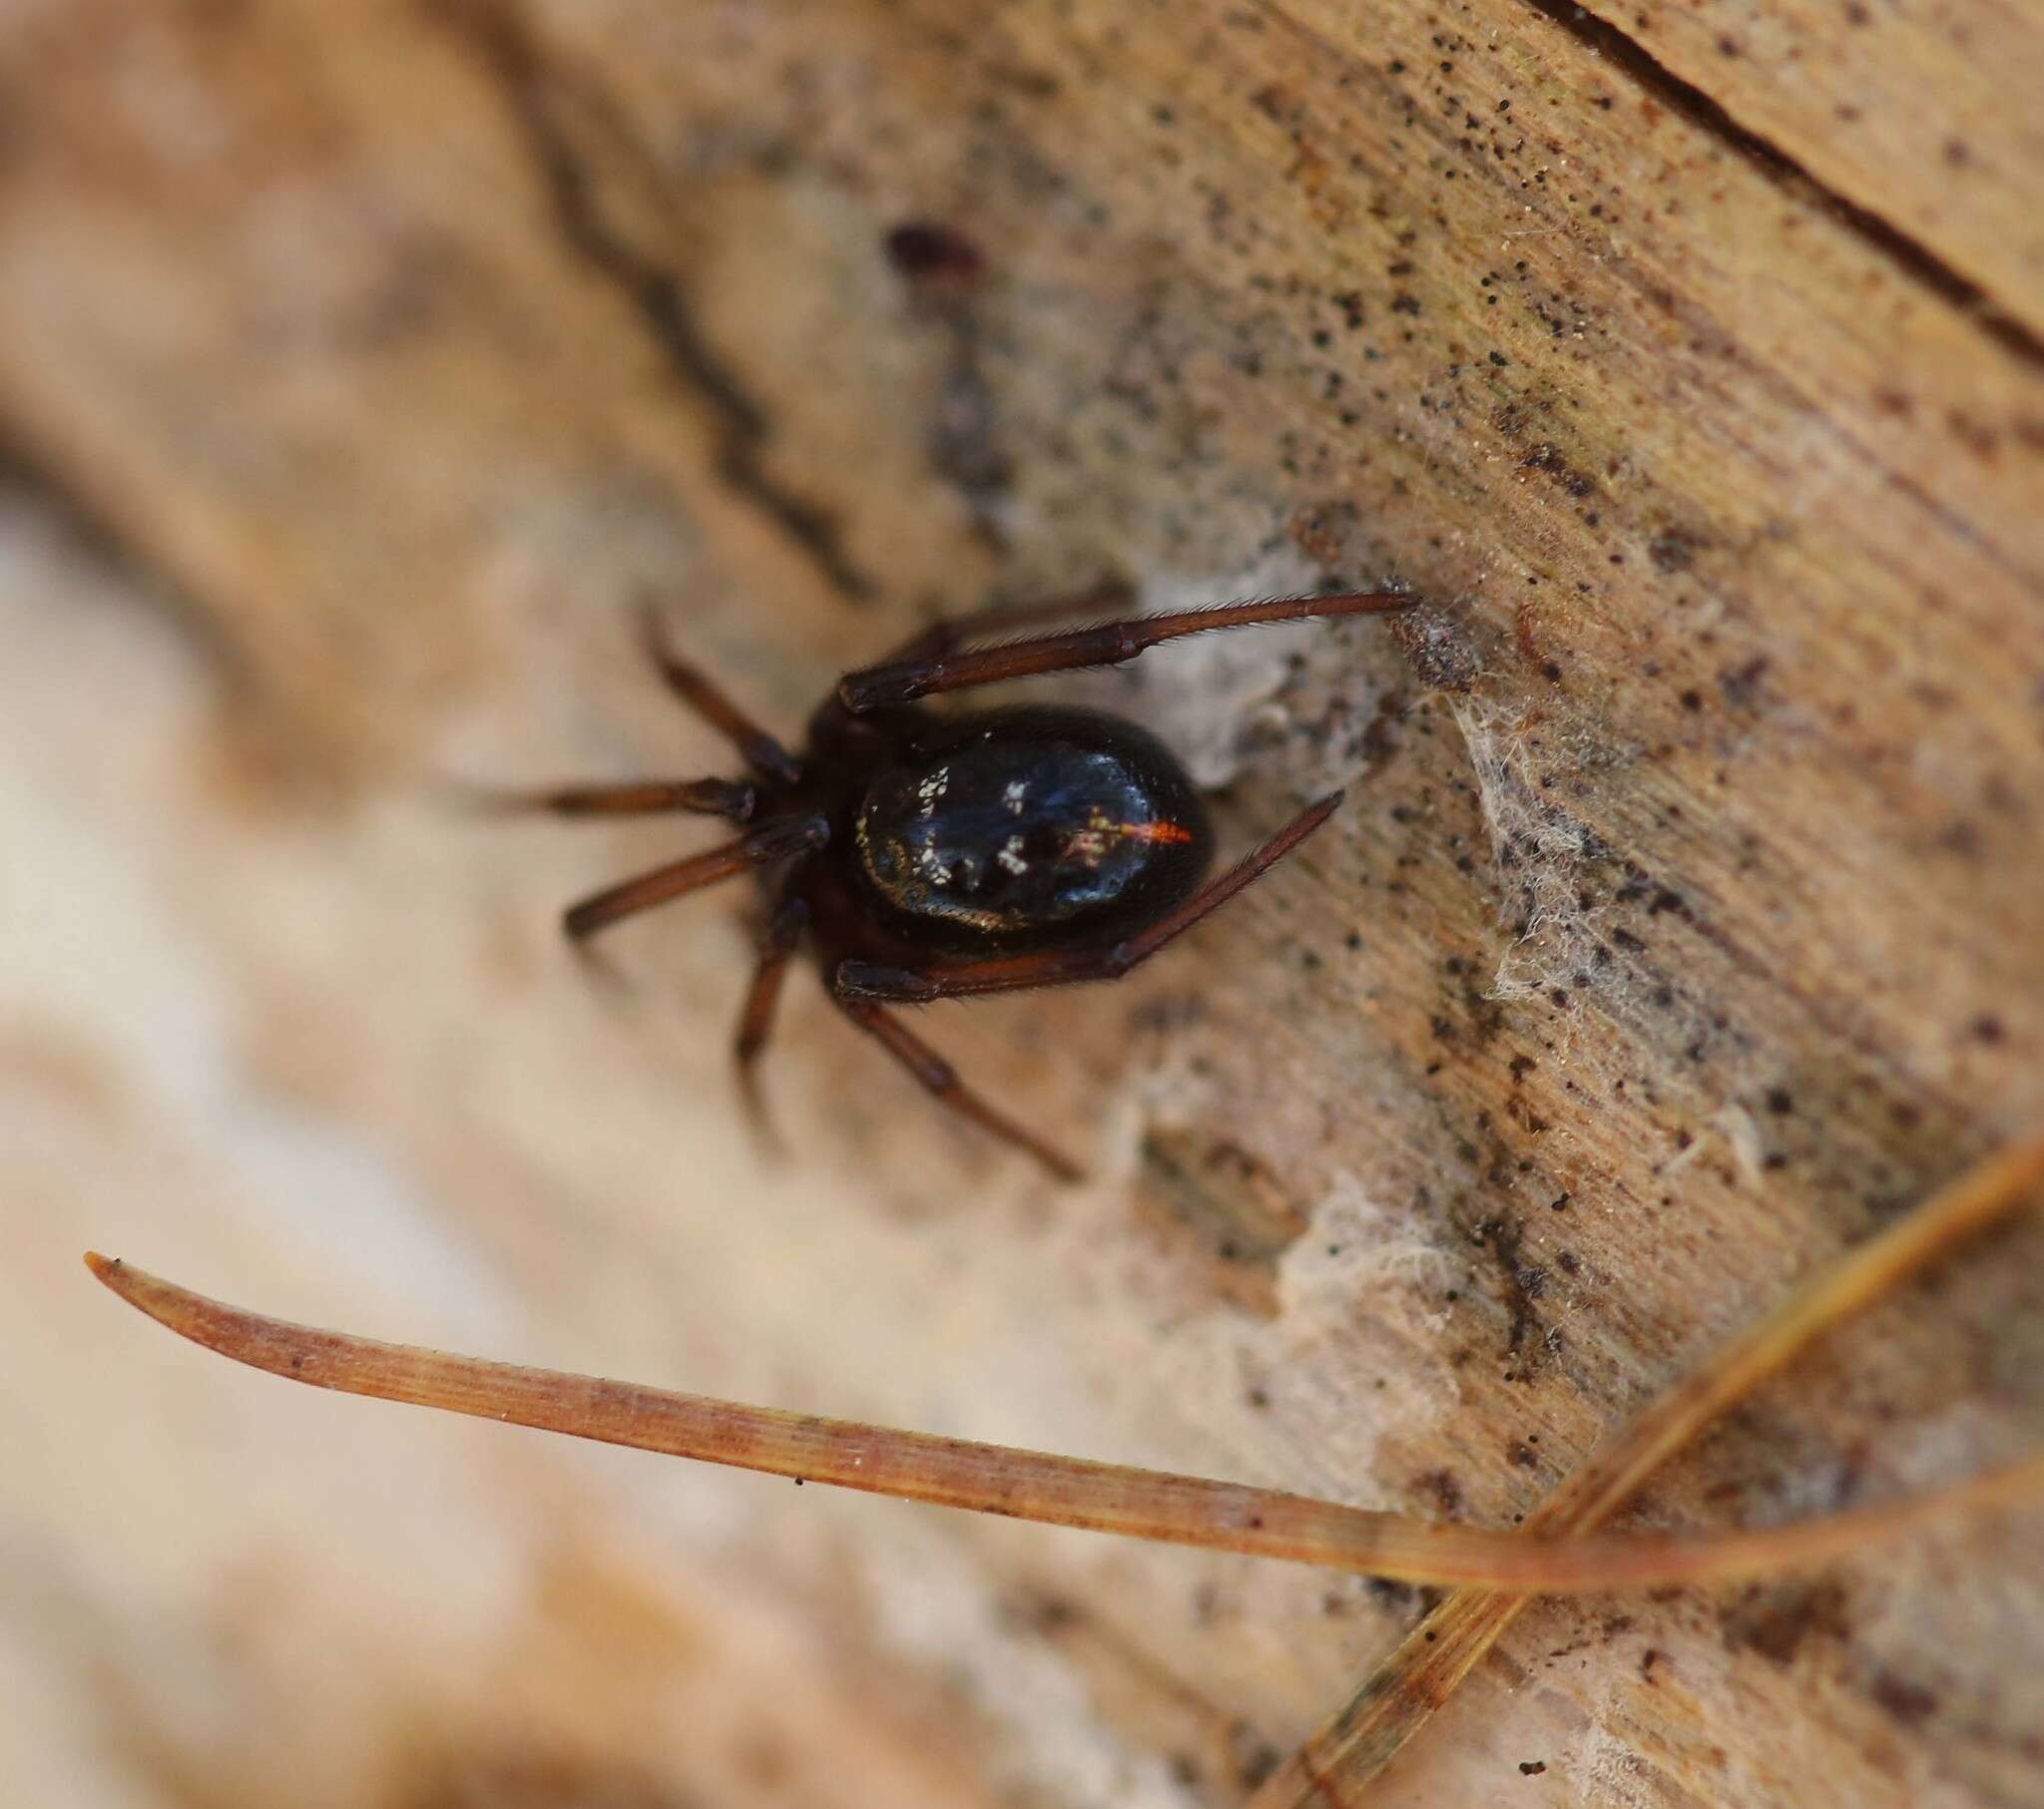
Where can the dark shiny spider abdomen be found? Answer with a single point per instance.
(1023, 829)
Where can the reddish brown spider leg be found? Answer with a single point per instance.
(640, 798)
(756, 1023)
(942, 637)
(762, 751)
(777, 841)
(1109, 644)
(1062, 966)
(941, 1079)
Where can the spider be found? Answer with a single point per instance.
(925, 856)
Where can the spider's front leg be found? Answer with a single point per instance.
(696, 688)
(769, 844)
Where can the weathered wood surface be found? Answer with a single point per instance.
(359, 365)
(1920, 119)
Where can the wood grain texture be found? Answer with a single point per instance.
(361, 365)
(1919, 119)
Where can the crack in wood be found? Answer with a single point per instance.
(558, 119)
(95, 535)
(1709, 114)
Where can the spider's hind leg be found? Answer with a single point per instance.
(927, 666)
(953, 632)
(940, 1079)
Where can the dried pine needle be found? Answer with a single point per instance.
(1337, 1766)
(1026, 1485)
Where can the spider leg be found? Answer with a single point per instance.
(774, 841)
(921, 675)
(637, 797)
(762, 751)
(1062, 966)
(941, 1079)
(755, 1023)
(942, 637)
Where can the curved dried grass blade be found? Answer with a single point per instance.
(998, 1479)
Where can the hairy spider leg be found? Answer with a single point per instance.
(903, 680)
(762, 751)
(952, 632)
(777, 945)
(774, 841)
(637, 797)
(1063, 966)
(941, 1079)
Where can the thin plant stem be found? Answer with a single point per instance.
(1337, 1766)
(1024, 1485)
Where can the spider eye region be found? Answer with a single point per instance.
(1030, 831)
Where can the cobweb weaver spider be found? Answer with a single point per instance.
(923, 857)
